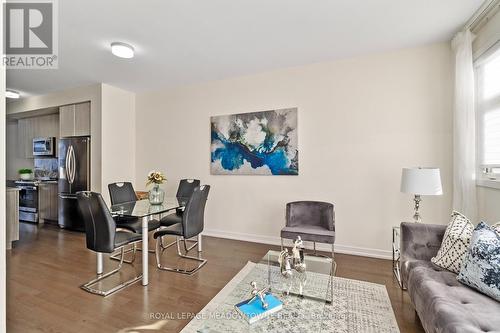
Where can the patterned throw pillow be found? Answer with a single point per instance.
(481, 266)
(455, 243)
(496, 227)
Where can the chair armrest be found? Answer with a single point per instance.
(419, 241)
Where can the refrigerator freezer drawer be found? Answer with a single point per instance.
(69, 215)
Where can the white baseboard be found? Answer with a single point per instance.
(345, 249)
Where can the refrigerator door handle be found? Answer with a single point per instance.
(66, 165)
(73, 165)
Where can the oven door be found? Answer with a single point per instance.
(28, 198)
(43, 147)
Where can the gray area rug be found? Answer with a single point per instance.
(357, 307)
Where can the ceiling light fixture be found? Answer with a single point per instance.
(12, 94)
(122, 50)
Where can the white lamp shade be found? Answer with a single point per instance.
(421, 181)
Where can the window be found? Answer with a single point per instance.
(488, 114)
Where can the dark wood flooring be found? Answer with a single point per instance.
(45, 268)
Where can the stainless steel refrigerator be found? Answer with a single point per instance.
(74, 176)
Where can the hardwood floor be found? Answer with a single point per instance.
(47, 265)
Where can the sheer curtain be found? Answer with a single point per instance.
(464, 128)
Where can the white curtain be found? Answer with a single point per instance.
(464, 128)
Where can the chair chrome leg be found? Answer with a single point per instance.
(160, 249)
(164, 247)
(87, 286)
(116, 256)
(281, 243)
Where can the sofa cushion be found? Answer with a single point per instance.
(481, 266)
(455, 243)
(445, 305)
(496, 227)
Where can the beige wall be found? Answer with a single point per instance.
(360, 121)
(71, 96)
(488, 198)
(118, 136)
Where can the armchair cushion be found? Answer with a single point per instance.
(310, 233)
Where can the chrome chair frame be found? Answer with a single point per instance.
(160, 248)
(87, 286)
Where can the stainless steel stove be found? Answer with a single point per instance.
(28, 199)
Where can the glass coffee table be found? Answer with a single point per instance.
(304, 296)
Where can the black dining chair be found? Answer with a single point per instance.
(102, 237)
(123, 192)
(184, 192)
(313, 221)
(192, 224)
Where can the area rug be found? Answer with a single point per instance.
(357, 307)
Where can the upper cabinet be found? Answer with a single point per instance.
(35, 127)
(74, 120)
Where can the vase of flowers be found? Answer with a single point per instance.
(156, 194)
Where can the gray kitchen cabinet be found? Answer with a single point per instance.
(74, 120)
(48, 202)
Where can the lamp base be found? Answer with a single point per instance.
(416, 217)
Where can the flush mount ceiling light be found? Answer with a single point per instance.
(122, 50)
(12, 94)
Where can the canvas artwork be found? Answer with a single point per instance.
(256, 143)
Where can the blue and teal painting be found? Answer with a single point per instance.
(256, 143)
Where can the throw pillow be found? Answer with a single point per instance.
(455, 243)
(496, 227)
(481, 266)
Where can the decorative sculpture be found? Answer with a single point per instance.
(260, 294)
(295, 260)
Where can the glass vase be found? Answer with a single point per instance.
(156, 195)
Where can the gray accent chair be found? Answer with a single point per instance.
(313, 221)
(442, 303)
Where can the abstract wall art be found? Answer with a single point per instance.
(256, 143)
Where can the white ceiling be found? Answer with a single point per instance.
(187, 41)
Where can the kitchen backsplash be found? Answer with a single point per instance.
(45, 167)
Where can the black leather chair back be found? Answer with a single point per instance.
(186, 187)
(194, 212)
(121, 192)
(100, 227)
(310, 213)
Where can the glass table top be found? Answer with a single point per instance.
(143, 208)
(304, 296)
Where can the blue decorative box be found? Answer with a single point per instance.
(253, 311)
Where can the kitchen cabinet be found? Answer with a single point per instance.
(47, 201)
(12, 216)
(35, 127)
(74, 120)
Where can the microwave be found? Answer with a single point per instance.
(44, 147)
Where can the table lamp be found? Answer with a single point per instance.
(421, 181)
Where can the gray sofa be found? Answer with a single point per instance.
(443, 304)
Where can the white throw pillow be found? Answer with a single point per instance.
(496, 227)
(455, 243)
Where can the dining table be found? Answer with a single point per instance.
(146, 211)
